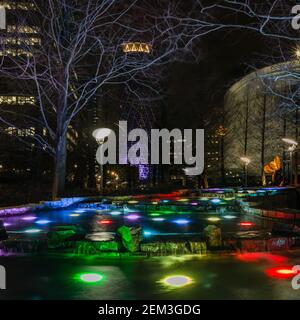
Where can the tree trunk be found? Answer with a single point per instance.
(263, 134)
(60, 159)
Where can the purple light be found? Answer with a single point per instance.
(6, 224)
(194, 203)
(143, 172)
(14, 211)
(29, 218)
(133, 217)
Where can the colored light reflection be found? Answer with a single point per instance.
(213, 219)
(257, 256)
(246, 224)
(29, 218)
(132, 202)
(105, 222)
(281, 272)
(181, 221)
(133, 217)
(42, 222)
(91, 277)
(177, 281)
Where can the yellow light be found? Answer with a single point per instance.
(131, 47)
(213, 219)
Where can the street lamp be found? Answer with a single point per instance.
(100, 135)
(246, 162)
(292, 147)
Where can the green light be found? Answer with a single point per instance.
(91, 277)
(177, 281)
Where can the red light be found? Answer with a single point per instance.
(246, 224)
(257, 256)
(104, 222)
(281, 272)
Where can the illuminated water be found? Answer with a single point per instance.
(219, 277)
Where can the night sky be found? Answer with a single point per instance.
(196, 88)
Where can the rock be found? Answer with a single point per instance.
(58, 235)
(213, 235)
(130, 237)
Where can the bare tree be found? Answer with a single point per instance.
(81, 48)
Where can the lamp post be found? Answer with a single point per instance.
(100, 135)
(292, 147)
(246, 162)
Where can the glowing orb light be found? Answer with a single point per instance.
(91, 277)
(149, 233)
(133, 201)
(33, 231)
(181, 221)
(74, 215)
(6, 224)
(281, 272)
(216, 201)
(177, 281)
(158, 219)
(45, 221)
(105, 222)
(246, 224)
(133, 217)
(228, 216)
(29, 218)
(116, 213)
(213, 219)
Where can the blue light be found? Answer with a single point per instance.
(181, 221)
(148, 233)
(45, 221)
(215, 200)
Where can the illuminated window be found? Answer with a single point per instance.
(11, 5)
(17, 100)
(15, 53)
(22, 29)
(13, 131)
(19, 41)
